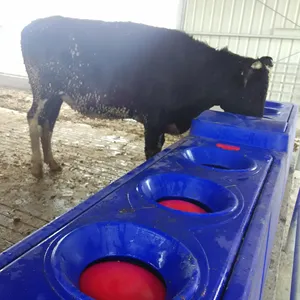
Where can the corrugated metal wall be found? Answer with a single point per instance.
(253, 28)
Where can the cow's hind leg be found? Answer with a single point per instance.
(47, 122)
(34, 133)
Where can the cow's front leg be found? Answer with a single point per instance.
(154, 141)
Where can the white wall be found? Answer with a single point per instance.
(19, 13)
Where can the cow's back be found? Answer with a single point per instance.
(98, 40)
(59, 34)
(122, 63)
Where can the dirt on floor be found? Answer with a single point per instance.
(93, 153)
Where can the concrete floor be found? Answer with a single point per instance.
(279, 277)
(93, 154)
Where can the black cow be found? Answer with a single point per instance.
(160, 77)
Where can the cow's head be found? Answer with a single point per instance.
(251, 84)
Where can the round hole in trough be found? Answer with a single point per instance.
(118, 279)
(271, 111)
(219, 159)
(158, 256)
(206, 194)
(273, 104)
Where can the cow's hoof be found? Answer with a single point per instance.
(54, 166)
(37, 170)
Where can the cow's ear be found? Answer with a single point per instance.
(257, 65)
(267, 61)
(248, 72)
